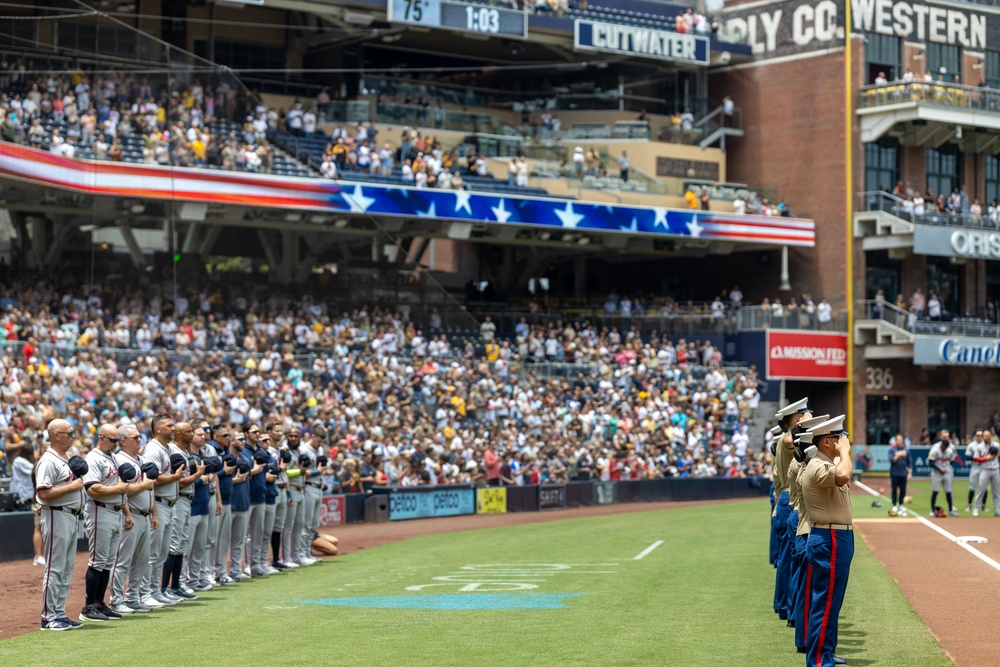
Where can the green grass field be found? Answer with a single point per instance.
(701, 598)
(920, 491)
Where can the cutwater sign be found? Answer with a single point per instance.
(426, 504)
(641, 42)
(938, 351)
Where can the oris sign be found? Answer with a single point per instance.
(806, 355)
(952, 242)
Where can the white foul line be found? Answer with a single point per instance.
(938, 529)
(648, 550)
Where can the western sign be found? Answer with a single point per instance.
(641, 42)
(794, 26)
(806, 355)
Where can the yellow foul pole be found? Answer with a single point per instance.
(849, 207)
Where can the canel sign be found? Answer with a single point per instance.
(935, 351)
(806, 355)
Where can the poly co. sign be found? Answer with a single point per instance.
(794, 26)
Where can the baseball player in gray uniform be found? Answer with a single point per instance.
(255, 519)
(106, 515)
(262, 545)
(941, 456)
(215, 509)
(281, 502)
(184, 443)
(157, 451)
(313, 495)
(974, 467)
(225, 477)
(294, 514)
(989, 475)
(132, 561)
(59, 491)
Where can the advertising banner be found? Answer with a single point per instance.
(941, 351)
(605, 493)
(806, 355)
(331, 510)
(552, 497)
(491, 500)
(434, 503)
(918, 455)
(639, 41)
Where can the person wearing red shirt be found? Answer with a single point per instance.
(492, 462)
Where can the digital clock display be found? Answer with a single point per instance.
(483, 19)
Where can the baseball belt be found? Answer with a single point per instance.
(68, 510)
(189, 496)
(834, 526)
(315, 486)
(113, 508)
(141, 512)
(167, 501)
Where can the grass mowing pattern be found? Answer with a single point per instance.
(702, 598)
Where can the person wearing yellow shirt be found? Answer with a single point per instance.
(691, 199)
(458, 403)
(198, 151)
(492, 351)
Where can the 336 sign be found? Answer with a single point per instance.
(878, 379)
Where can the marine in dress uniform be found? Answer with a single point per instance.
(789, 417)
(830, 546)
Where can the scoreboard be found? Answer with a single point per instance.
(461, 16)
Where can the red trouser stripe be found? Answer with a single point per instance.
(829, 598)
(805, 615)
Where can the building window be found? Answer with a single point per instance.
(883, 53)
(943, 60)
(943, 169)
(881, 164)
(992, 178)
(945, 280)
(881, 418)
(882, 273)
(944, 412)
(241, 55)
(992, 69)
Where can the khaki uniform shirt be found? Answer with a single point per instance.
(826, 502)
(784, 458)
(803, 528)
(794, 490)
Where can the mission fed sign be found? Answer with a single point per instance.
(794, 26)
(806, 355)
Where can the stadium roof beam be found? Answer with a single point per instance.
(134, 251)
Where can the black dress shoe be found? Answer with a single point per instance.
(790, 623)
(782, 615)
(837, 660)
(802, 649)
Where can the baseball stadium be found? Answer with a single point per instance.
(316, 346)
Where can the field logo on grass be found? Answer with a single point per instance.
(491, 501)
(496, 578)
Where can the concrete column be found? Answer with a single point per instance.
(39, 241)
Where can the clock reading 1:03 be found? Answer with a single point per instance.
(452, 15)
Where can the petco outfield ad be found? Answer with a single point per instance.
(426, 504)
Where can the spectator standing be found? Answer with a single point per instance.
(623, 167)
(900, 470)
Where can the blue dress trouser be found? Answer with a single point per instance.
(801, 574)
(790, 527)
(773, 556)
(830, 553)
(784, 556)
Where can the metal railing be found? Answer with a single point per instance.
(936, 93)
(879, 200)
(974, 327)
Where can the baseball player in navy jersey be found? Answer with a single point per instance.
(294, 516)
(942, 455)
(184, 443)
(215, 511)
(241, 507)
(223, 441)
(281, 498)
(106, 515)
(132, 560)
(313, 494)
(989, 475)
(196, 554)
(262, 547)
(252, 451)
(59, 491)
(157, 451)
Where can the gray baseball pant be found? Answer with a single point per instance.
(293, 526)
(195, 557)
(220, 550)
(181, 533)
(59, 546)
(989, 479)
(132, 562)
(104, 534)
(280, 510)
(310, 521)
(159, 545)
(255, 529)
(974, 472)
(212, 519)
(237, 541)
